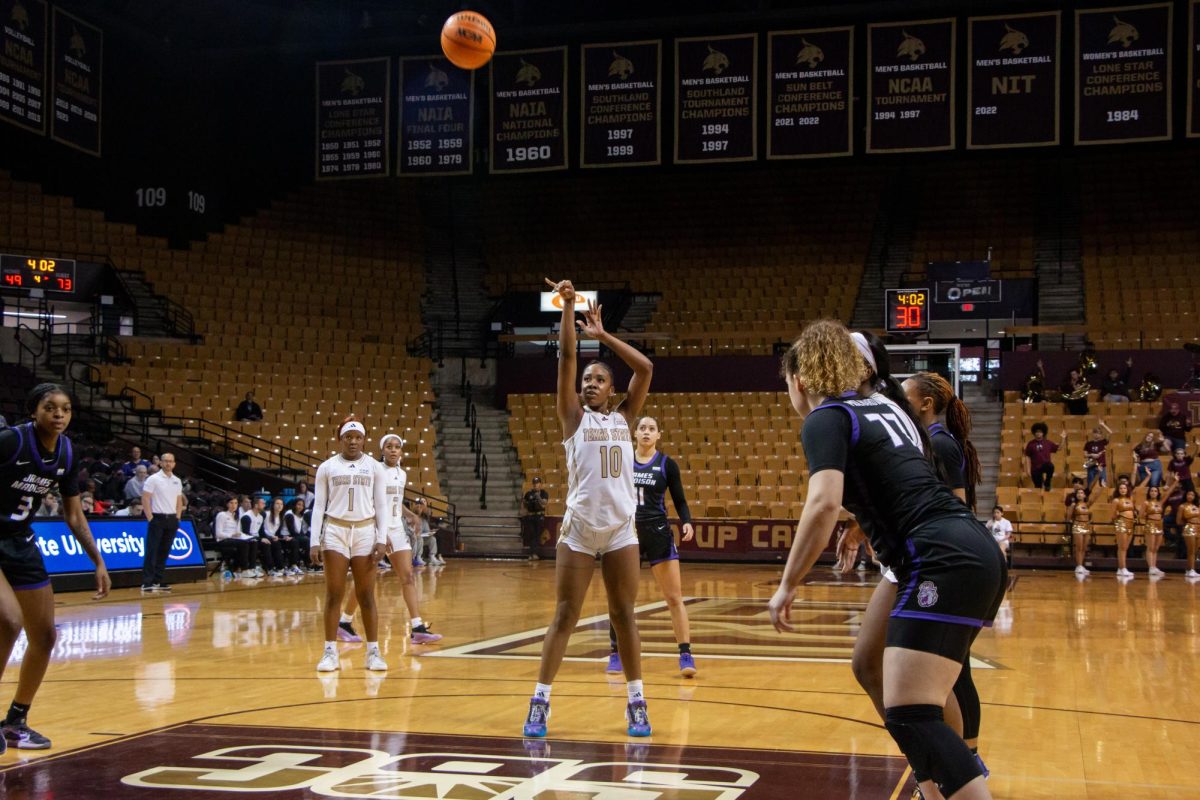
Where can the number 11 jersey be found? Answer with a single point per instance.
(600, 471)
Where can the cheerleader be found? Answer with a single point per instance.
(1152, 516)
(350, 521)
(601, 502)
(1126, 515)
(1079, 514)
(1188, 518)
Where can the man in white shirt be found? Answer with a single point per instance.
(162, 500)
(134, 509)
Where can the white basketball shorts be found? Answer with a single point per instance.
(582, 538)
(350, 541)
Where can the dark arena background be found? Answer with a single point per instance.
(306, 201)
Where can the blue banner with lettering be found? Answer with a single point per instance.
(121, 540)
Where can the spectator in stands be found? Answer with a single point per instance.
(1095, 455)
(305, 494)
(1180, 466)
(412, 529)
(134, 509)
(137, 484)
(282, 540)
(155, 464)
(99, 505)
(1171, 531)
(1175, 424)
(236, 548)
(1075, 393)
(248, 410)
(1145, 458)
(1001, 530)
(533, 517)
(1076, 484)
(135, 459)
(244, 506)
(1039, 456)
(51, 506)
(1115, 388)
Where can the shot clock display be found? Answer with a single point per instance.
(907, 311)
(37, 272)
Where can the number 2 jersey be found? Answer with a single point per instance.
(28, 473)
(600, 471)
(890, 486)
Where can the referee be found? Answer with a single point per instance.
(162, 499)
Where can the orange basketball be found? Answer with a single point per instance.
(468, 40)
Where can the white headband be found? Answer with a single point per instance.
(352, 425)
(387, 436)
(860, 342)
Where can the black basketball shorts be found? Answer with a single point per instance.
(657, 541)
(21, 561)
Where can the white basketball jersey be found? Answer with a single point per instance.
(600, 471)
(397, 479)
(351, 491)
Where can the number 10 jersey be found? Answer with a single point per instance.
(600, 471)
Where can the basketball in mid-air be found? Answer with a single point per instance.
(468, 40)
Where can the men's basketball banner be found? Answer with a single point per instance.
(810, 93)
(352, 118)
(621, 110)
(1123, 74)
(1012, 82)
(436, 112)
(1193, 73)
(78, 57)
(910, 88)
(529, 110)
(716, 100)
(23, 63)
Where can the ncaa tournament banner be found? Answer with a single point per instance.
(437, 105)
(78, 63)
(910, 89)
(528, 106)
(1193, 93)
(1123, 74)
(23, 64)
(352, 118)
(809, 92)
(1013, 80)
(716, 99)
(621, 110)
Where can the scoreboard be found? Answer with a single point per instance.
(36, 272)
(907, 311)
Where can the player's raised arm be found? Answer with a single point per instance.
(643, 369)
(568, 407)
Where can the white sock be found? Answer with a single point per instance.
(347, 618)
(372, 647)
(331, 647)
(542, 692)
(634, 690)
(417, 622)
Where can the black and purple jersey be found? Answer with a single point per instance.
(652, 481)
(28, 473)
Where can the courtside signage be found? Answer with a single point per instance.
(122, 542)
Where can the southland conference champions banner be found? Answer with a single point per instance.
(910, 86)
(528, 110)
(810, 93)
(1013, 65)
(620, 111)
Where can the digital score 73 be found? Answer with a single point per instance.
(907, 311)
(37, 272)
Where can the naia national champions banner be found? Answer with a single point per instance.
(1013, 79)
(716, 100)
(1193, 92)
(621, 108)
(910, 89)
(1123, 74)
(436, 110)
(528, 110)
(810, 91)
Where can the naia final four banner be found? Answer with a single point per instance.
(1123, 74)
(528, 110)
(910, 90)
(436, 111)
(811, 80)
(621, 109)
(1193, 92)
(1012, 88)
(716, 99)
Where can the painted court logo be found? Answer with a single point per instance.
(927, 594)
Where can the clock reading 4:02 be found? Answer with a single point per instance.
(907, 311)
(37, 272)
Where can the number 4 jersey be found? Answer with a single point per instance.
(27, 474)
(600, 471)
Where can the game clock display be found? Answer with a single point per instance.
(36, 272)
(907, 311)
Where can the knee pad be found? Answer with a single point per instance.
(968, 701)
(933, 750)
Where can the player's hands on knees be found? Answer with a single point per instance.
(314, 555)
(103, 582)
(780, 609)
(688, 532)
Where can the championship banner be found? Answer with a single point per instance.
(810, 92)
(621, 111)
(437, 105)
(528, 106)
(1123, 74)
(716, 99)
(1193, 93)
(1013, 79)
(78, 63)
(910, 92)
(352, 118)
(23, 64)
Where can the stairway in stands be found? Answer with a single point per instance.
(987, 418)
(1056, 254)
(890, 251)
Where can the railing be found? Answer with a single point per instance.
(35, 355)
(483, 479)
(174, 318)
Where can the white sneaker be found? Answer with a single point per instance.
(1082, 571)
(439, 561)
(258, 572)
(247, 573)
(375, 662)
(1155, 571)
(329, 662)
(1124, 573)
(1191, 573)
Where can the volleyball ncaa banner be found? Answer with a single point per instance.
(1193, 92)
(436, 114)
(1012, 86)
(529, 110)
(1123, 74)
(910, 91)
(810, 91)
(352, 118)
(23, 64)
(621, 111)
(78, 57)
(716, 99)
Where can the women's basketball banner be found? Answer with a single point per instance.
(78, 66)
(1123, 74)
(716, 100)
(529, 110)
(621, 110)
(910, 90)
(1193, 92)
(1013, 79)
(436, 112)
(23, 64)
(810, 92)
(352, 118)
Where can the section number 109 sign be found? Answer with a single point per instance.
(907, 311)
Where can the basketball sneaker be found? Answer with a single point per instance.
(1082, 571)
(614, 664)
(1191, 573)
(422, 635)
(345, 633)
(1156, 572)
(637, 716)
(24, 737)
(375, 662)
(535, 722)
(687, 665)
(329, 662)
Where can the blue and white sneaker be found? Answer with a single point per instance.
(614, 664)
(24, 737)
(535, 722)
(687, 665)
(982, 767)
(638, 718)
